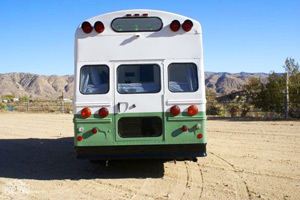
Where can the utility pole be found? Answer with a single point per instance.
(286, 107)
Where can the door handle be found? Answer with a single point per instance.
(119, 107)
(122, 107)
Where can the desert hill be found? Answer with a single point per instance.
(36, 86)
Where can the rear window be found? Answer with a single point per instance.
(144, 78)
(137, 24)
(94, 79)
(183, 77)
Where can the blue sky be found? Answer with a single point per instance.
(248, 35)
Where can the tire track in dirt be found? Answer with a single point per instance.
(194, 181)
(188, 181)
(202, 180)
(242, 189)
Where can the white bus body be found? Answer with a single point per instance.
(147, 82)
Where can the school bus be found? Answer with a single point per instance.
(139, 87)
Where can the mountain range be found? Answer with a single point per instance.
(51, 87)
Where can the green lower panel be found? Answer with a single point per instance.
(105, 130)
(196, 125)
(172, 133)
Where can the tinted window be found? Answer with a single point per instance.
(138, 79)
(183, 77)
(140, 24)
(94, 79)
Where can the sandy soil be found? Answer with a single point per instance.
(246, 160)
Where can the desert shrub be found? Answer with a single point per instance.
(2, 106)
(214, 109)
(24, 99)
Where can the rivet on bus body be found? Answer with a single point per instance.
(198, 126)
(80, 129)
(94, 130)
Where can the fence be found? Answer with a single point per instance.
(41, 106)
(216, 109)
(248, 109)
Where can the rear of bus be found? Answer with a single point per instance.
(139, 87)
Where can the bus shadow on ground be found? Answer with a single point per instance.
(53, 159)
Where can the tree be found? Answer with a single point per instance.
(212, 106)
(279, 90)
(24, 99)
(292, 88)
(273, 94)
(291, 66)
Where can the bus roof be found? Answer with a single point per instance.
(166, 17)
(161, 44)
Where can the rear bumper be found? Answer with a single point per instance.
(174, 151)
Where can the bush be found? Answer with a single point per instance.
(214, 110)
(2, 106)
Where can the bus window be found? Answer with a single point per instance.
(94, 79)
(139, 24)
(183, 77)
(138, 79)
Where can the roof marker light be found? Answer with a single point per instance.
(86, 27)
(136, 15)
(187, 25)
(128, 15)
(145, 15)
(99, 27)
(175, 25)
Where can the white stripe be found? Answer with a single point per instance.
(89, 104)
(186, 102)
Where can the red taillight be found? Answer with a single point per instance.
(193, 110)
(175, 110)
(175, 25)
(187, 25)
(79, 138)
(103, 112)
(94, 130)
(99, 27)
(86, 27)
(184, 128)
(86, 112)
(199, 136)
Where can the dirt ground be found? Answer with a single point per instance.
(246, 160)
